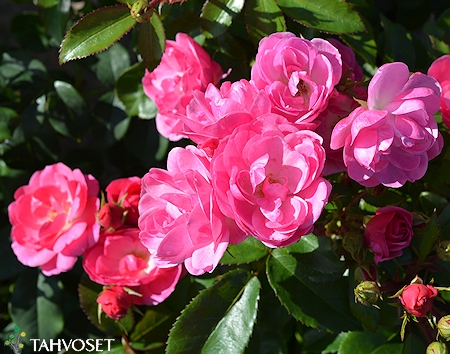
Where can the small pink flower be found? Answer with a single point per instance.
(417, 299)
(213, 115)
(391, 141)
(267, 176)
(115, 302)
(440, 70)
(298, 75)
(389, 232)
(53, 218)
(179, 217)
(185, 67)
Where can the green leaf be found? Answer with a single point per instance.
(36, 305)
(391, 348)
(88, 292)
(314, 303)
(152, 41)
(130, 91)
(263, 17)
(220, 319)
(71, 98)
(414, 344)
(306, 244)
(361, 343)
(111, 64)
(332, 16)
(217, 16)
(96, 32)
(363, 44)
(248, 251)
(54, 15)
(428, 238)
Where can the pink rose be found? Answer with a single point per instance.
(212, 115)
(126, 192)
(179, 217)
(391, 141)
(440, 70)
(185, 67)
(53, 218)
(389, 232)
(298, 75)
(417, 299)
(115, 302)
(267, 176)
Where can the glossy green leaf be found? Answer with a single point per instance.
(428, 238)
(361, 343)
(390, 348)
(71, 98)
(245, 252)
(88, 291)
(307, 298)
(130, 91)
(111, 63)
(333, 16)
(306, 244)
(37, 304)
(363, 44)
(96, 32)
(220, 319)
(152, 41)
(263, 17)
(217, 16)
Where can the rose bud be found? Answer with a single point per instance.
(110, 216)
(444, 327)
(367, 293)
(437, 348)
(115, 302)
(443, 250)
(417, 299)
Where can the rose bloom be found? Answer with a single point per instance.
(185, 66)
(179, 217)
(267, 176)
(391, 141)
(119, 258)
(122, 196)
(440, 70)
(298, 75)
(213, 115)
(53, 218)
(115, 302)
(417, 299)
(389, 232)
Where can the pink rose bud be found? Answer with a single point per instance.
(115, 302)
(444, 327)
(126, 193)
(417, 299)
(389, 232)
(440, 70)
(110, 216)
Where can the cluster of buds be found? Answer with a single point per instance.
(15, 340)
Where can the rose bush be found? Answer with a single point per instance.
(185, 66)
(417, 299)
(53, 218)
(180, 220)
(267, 177)
(388, 232)
(391, 141)
(298, 75)
(440, 70)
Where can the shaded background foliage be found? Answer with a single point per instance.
(92, 114)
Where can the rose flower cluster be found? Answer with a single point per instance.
(262, 149)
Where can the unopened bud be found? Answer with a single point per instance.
(367, 293)
(437, 348)
(444, 327)
(443, 250)
(354, 244)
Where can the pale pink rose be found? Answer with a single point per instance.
(185, 67)
(121, 209)
(53, 218)
(213, 115)
(440, 70)
(388, 232)
(298, 75)
(179, 217)
(115, 302)
(392, 140)
(267, 176)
